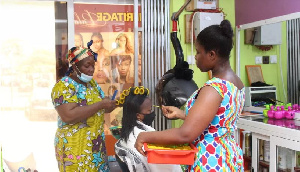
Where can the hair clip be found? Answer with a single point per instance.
(121, 101)
(95, 56)
(89, 44)
(126, 92)
(137, 91)
(122, 96)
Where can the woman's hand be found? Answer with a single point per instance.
(139, 143)
(172, 112)
(108, 104)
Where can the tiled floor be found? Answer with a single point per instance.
(114, 167)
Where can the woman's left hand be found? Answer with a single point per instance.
(139, 143)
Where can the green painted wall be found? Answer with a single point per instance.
(199, 77)
(228, 8)
(271, 72)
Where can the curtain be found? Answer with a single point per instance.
(155, 50)
(293, 49)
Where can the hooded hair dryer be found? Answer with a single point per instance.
(176, 85)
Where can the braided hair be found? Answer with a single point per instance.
(131, 106)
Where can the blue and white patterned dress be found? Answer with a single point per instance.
(218, 150)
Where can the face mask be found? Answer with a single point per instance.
(149, 118)
(83, 77)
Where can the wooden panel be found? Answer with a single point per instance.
(110, 144)
(249, 36)
(190, 6)
(188, 28)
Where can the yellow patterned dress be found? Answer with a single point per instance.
(80, 146)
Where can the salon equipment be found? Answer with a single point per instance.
(176, 85)
(266, 94)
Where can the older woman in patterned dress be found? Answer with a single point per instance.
(81, 104)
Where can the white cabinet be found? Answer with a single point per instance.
(280, 137)
(205, 19)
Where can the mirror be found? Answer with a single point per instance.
(275, 67)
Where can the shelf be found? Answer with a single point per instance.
(264, 164)
(277, 135)
(247, 162)
(247, 157)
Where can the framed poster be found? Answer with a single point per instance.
(254, 73)
(110, 26)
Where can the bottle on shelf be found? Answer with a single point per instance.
(267, 151)
(282, 158)
(246, 143)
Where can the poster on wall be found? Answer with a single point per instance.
(110, 26)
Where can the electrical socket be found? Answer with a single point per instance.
(273, 58)
(193, 60)
(266, 60)
(258, 60)
(190, 59)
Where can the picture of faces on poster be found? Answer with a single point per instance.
(114, 68)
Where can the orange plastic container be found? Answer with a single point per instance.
(164, 156)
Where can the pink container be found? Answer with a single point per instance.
(290, 114)
(296, 108)
(279, 114)
(271, 112)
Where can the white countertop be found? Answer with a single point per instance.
(288, 129)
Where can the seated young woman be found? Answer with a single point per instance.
(137, 117)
